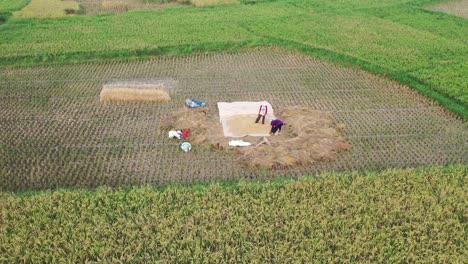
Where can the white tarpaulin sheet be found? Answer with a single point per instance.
(238, 119)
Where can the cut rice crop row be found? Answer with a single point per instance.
(55, 133)
(454, 7)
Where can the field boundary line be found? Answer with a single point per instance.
(129, 55)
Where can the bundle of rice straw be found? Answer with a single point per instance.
(134, 92)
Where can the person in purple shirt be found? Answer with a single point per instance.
(276, 125)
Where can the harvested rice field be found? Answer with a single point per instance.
(55, 133)
(453, 7)
(93, 7)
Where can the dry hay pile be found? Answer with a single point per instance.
(202, 3)
(307, 136)
(114, 4)
(134, 92)
(196, 120)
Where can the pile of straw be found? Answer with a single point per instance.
(134, 93)
(308, 136)
(193, 119)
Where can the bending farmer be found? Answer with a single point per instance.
(262, 113)
(276, 126)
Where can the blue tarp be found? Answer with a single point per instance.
(192, 103)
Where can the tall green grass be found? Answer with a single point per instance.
(397, 216)
(8, 6)
(12, 5)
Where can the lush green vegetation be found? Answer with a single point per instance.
(424, 49)
(8, 6)
(12, 5)
(396, 216)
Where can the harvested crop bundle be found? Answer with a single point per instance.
(134, 92)
(114, 4)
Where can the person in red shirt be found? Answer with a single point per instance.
(262, 112)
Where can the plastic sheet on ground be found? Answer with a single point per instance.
(238, 119)
(239, 143)
(192, 103)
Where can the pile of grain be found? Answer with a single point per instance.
(308, 136)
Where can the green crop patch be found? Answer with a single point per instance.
(387, 44)
(12, 5)
(396, 216)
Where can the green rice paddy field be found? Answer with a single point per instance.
(86, 182)
(408, 215)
